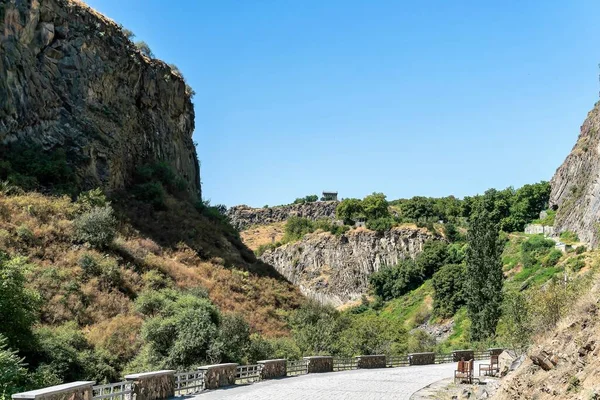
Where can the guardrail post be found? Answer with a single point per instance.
(318, 364)
(375, 361)
(421, 358)
(154, 385)
(219, 375)
(273, 368)
(80, 390)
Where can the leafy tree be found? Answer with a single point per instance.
(375, 206)
(448, 285)
(515, 327)
(348, 210)
(418, 208)
(18, 305)
(96, 227)
(484, 275)
(12, 370)
(259, 349)
(315, 328)
(235, 335)
(306, 199)
(380, 224)
(391, 282)
(144, 48)
(452, 234)
(296, 228)
(432, 258)
(369, 334)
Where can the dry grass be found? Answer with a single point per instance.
(183, 246)
(258, 235)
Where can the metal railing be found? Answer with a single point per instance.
(297, 367)
(344, 364)
(396, 361)
(189, 382)
(113, 391)
(247, 373)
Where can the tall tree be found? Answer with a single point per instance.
(484, 275)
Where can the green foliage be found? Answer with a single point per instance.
(12, 371)
(25, 234)
(183, 330)
(153, 181)
(375, 206)
(420, 341)
(18, 305)
(349, 210)
(296, 228)
(315, 328)
(392, 282)
(235, 336)
(452, 233)
(265, 247)
(96, 227)
(259, 349)
(91, 199)
(285, 347)
(367, 334)
(144, 48)
(433, 257)
(380, 224)
(30, 167)
(569, 237)
(515, 326)
(552, 258)
(449, 294)
(306, 199)
(484, 277)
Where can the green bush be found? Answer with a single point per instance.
(420, 341)
(92, 198)
(96, 227)
(380, 224)
(580, 249)
(569, 237)
(234, 333)
(392, 282)
(259, 349)
(306, 199)
(12, 371)
(367, 334)
(315, 328)
(552, 258)
(448, 285)
(25, 234)
(285, 347)
(150, 192)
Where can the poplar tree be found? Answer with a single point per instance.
(484, 275)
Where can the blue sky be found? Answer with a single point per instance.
(407, 98)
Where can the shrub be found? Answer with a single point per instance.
(380, 224)
(315, 328)
(580, 249)
(420, 341)
(25, 234)
(144, 48)
(285, 347)
(306, 199)
(448, 285)
(234, 333)
(150, 192)
(569, 237)
(296, 228)
(259, 349)
(12, 370)
(368, 334)
(96, 227)
(392, 282)
(552, 258)
(93, 198)
(155, 280)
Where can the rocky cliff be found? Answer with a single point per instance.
(576, 184)
(70, 79)
(335, 269)
(243, 216)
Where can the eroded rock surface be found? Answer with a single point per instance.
(243, 216)
(576, 184)
(70, 79)
(336, 269)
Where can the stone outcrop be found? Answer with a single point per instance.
(335, 269)
(70, 79)
(243, 216)
(576, 184)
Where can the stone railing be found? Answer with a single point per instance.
(159, 385)
(81, 390)
(378, 361)
(272, 369)
(153, 385)
(219, 375)
(318, 364)
(421, 358)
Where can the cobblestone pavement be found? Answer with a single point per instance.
(371, 384)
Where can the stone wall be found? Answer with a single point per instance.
(535, 229)
(69, 391)
(219, 375)
(335, 269)
(421, 358)
(377, 361)
(243, 216)
(273, 368)
(496, 351)
(318, 364)
(71, 80)
(153, 385)
(466, 355)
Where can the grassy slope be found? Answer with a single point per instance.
(183, 247)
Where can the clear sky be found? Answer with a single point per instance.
(402, 97)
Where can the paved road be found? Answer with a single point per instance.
(375, 384)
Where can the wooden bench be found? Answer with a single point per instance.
(491, 368)
(464, 371)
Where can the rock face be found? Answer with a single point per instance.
(243, 216)
(70, 79)
(335, 269)
(576, 184)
